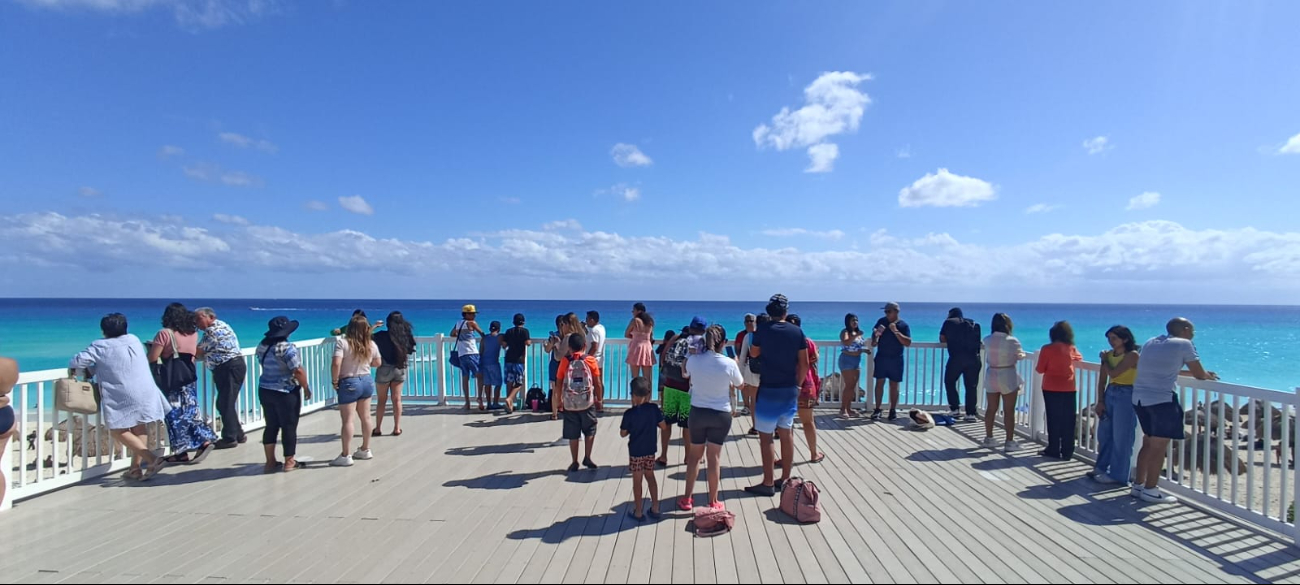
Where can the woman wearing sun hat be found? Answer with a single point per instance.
(280, 389)
(467, 351)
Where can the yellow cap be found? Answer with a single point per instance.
(469, 309)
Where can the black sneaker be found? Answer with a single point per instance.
(778, 485)
(226, 444)
(753, 432)
(589, 464)
(761, 490)
(573, 468)
(876, 415)
(893, 415)
(243, 439)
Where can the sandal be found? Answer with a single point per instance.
(154, 469)
(377, 433)
(818, 459)
(272, 467)
(178, 459)
(290, 464)
(397, 433)
(133, 475)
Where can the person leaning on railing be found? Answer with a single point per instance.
(1155, 395)
(220, 350)
(8, 377)
(129, 397)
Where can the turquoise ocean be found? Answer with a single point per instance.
(1251, 345)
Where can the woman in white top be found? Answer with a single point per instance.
(1002, 381)
(354, 354)
(712, 376)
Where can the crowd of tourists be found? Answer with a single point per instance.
(705, 378)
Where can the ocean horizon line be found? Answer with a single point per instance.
(470, 299)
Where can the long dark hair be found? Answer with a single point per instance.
(1062, 332)
(849, 318)
(402, 335)
(1126, 335)
(179, 319)
(1002, 324)
(646, 319)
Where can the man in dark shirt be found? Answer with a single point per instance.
(891, 337)
(962, 336)
(515, 341)
(784, 350)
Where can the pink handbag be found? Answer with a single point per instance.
(801, 500)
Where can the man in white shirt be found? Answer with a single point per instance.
(596, 349)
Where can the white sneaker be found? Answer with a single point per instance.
(342, 461)
(990, 443)
(1102, 478)
(363, 455)
(1136, 491)
(970, 418)
(1010, 446)
(1155, 496)
(955, 413)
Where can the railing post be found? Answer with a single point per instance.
(440, 368)
(1295, 481)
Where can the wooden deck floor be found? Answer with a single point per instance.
(476, 498)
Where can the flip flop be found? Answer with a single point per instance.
(632, 515)
(818, 459)
(397, 433)
(654, 515)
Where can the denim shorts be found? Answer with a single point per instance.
(352, 390)
(850, 362)
(469, 364)
(553, 370)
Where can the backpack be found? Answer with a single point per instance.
(537, 396)
(579, 386)
(801, 500)
(964, 339)
(675, 358)
(710, 522)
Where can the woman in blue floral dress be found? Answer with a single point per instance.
(187, 432)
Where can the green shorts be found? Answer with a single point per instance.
(677, 406)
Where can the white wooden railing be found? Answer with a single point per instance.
(1242, 481)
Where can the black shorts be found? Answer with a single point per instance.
(709, 426)
(889, 368)
(1162, 421)
(579, 424)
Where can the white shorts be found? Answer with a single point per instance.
(1002, 381)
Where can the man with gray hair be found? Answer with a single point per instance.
(1155, 395)
(220, 350)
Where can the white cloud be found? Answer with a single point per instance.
(793, 232)
(1041, 208)
(1153, 257)
(315, 205)
(245, 142)
(190, 14)
(209, 172)
(628, 155)
(945, 189)
(833, 105)
(1144, 201)
(904, 152)
(1292, 146)
(356, 204)
(169, 151)
(1097, 145)
(623, 190)
(231, 219)
(89, 192)
(564, 224)
(822, 158)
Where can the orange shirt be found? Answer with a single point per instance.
(1056, 364)
(560, 374)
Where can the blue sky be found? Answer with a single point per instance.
(155, 145)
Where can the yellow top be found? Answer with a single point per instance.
(1125, 379)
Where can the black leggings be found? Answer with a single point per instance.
(1062, 416)
(282, 411)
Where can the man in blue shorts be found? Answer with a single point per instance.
(784, 351)
(515, 341)
(891, 337)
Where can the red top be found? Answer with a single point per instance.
(740, 339)
(1056, 364)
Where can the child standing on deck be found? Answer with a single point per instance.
(579, 384)
(640, 425)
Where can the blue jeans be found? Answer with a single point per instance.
(1116, 433)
